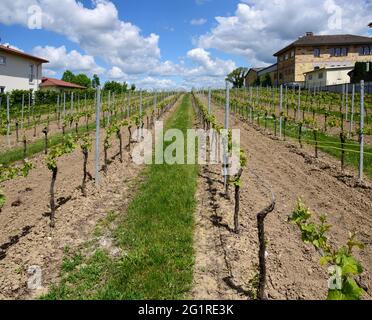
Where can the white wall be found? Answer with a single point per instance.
(315, 81)
(338, 77)
(15, 74)
(330, 77)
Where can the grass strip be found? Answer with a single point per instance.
(155, 236)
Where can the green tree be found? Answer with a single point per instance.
(257, 82)
(267, 81)
(133, 87)
(125, 87)
(68, 76)
(113, 86)
(82, 80)
(237, 77)
(96, 81)
(360, 72)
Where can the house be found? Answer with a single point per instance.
(58, 85)
(252, 76)
(312, 52)
(19, 70)
(322, 77)
(272, 71)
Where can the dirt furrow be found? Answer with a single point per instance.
(293, 267)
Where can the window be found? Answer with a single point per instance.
(280, 76)
(320, 76)
(287, 56)
(2, 60)
(31, 73)
(366, 51)
(292, 53)
(2, 89)
(317, 53)
(339, 52)
(310, 77)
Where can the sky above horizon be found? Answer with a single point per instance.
(164, 43)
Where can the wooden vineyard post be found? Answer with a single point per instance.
(52, 198)
(98, 113)
(361, 159)
(262, 248)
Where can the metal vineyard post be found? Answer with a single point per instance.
(361, 159)
(98, 113)
(227, 114)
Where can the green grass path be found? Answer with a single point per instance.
(155, 235)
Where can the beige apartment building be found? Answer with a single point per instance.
(313, 52)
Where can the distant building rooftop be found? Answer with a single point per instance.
(10, 50)
(314, 40)
(51, 82)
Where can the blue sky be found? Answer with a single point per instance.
(179, 43)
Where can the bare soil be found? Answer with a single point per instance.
(226, 263)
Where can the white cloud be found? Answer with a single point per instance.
(198, 22)
(207, 66)
(60, 60)
(97, 30)
(259, 28)
(115, 73)
(100, 33)
(155, 83)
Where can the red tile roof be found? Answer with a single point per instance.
(51, 82)
(21, 54)
(339, 40)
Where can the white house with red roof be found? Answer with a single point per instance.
(19, 70)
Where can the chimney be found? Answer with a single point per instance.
(309, 34)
